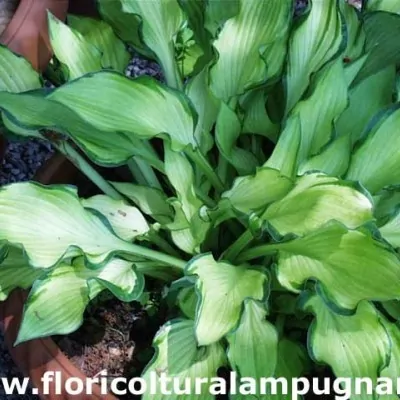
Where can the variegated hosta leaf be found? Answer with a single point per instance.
(15, 272)
(317, 112)
(256, 118)
(187, 301)
(100, 34)
(354, 346)
(16, 73)
(253, 193)
(57, 301)
(227, 131)
(355, 31)
(73, 50)
(50, 223)
(26, 113)
(206, 105)
(241, 50)
(253, 346)
(292, 363)
(349, 266)
(333, 160)
(319, 37)
(126, 221)
(315, 200)
(158, 109)
(125, 25)
(375, 93)
(222, 289)
(161, 21)
(391, 230)
(386, 205)
(285, 156)
(181, 176)
(178, 356)
(392, 370)
(109, 121)
(151, 201)
(376, 163)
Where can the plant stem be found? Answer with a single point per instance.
(136, 164)
(238, 246)
(280, 324)
(259, 251)
(207, 169)
(163, 244)
(79, 161)
(171, 70)
(155, 255)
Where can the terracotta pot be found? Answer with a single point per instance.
(37, 356)
(27, 32)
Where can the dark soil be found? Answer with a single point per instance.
(115, 337)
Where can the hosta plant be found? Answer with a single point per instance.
(264, 193)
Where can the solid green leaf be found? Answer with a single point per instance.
(253, 346)
(16, 73)
(100, 34)
(354, 346)
(381, 30)
(15, 272)
(125, 25)
(151, 201)
(392, 6)
(392, 307)
(376, 162)
(240, 62)
(315, 200)
(314, 42)
(349, 266)
(218, 12)
(73, 50)
(50, 223)
(160, 22)
(178, 356)
(126, 221)
(58, 300)
(222, 290)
